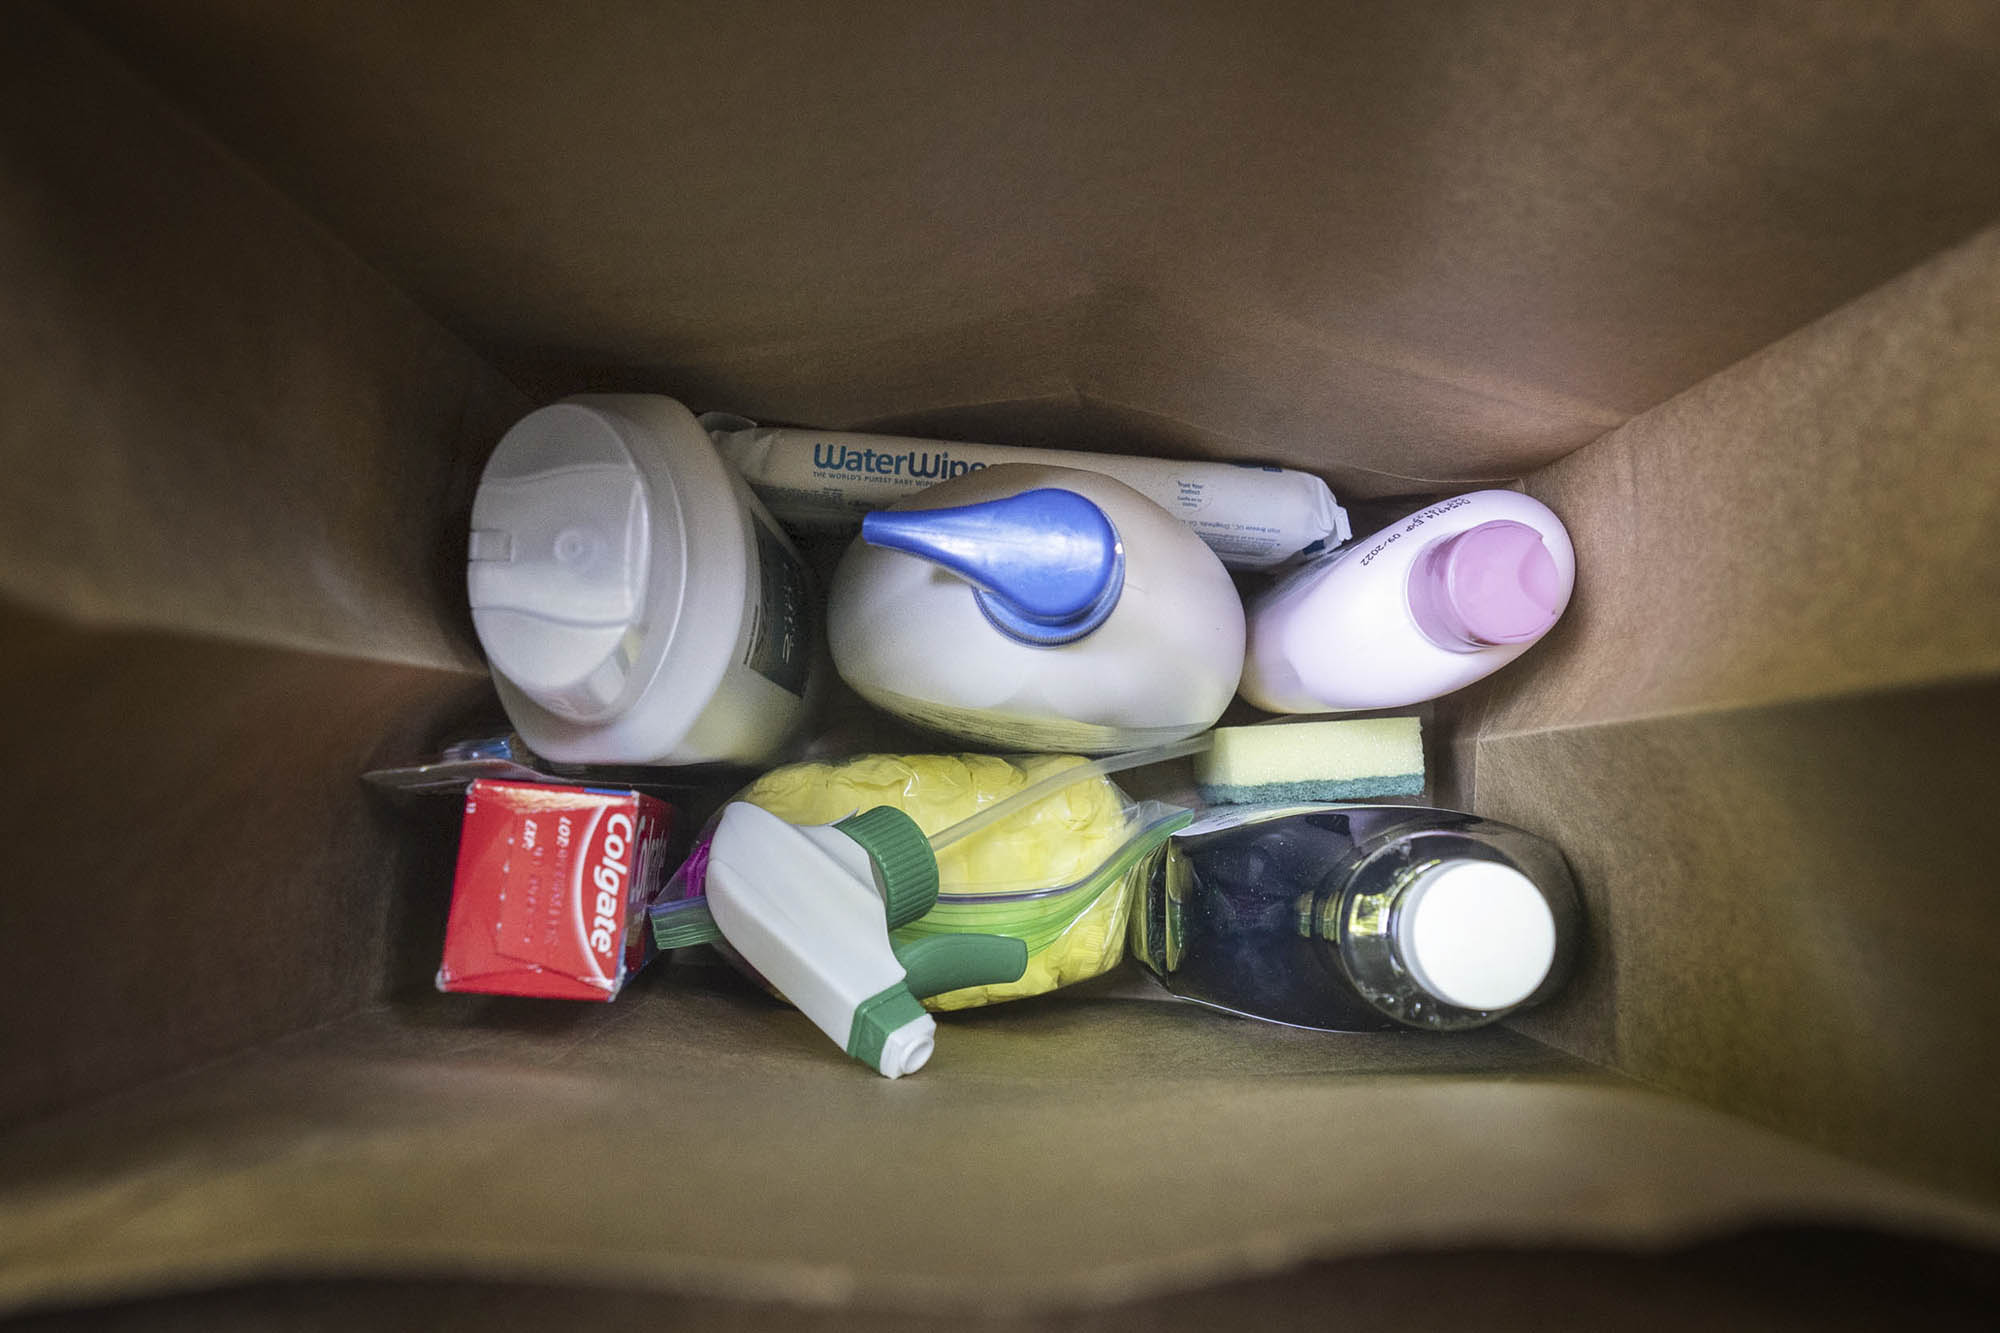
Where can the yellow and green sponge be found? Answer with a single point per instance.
(1352, 759)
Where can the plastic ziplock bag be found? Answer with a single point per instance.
(1073, 931)
(1052, 874)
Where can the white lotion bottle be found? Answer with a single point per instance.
(1037, 608)
(1426, 606)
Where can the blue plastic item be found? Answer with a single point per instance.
(1047, 564)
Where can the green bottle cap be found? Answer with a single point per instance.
(905, 867)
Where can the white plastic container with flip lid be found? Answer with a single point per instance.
(1037, 608)
(637, 604)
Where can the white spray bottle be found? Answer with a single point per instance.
(810, 908)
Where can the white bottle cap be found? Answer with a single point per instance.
(908, 1048)
(562, 555)
(1476, 934)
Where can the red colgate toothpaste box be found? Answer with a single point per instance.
(551, 890)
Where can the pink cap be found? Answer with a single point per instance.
(1487, 586)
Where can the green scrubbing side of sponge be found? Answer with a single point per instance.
(1351, 759)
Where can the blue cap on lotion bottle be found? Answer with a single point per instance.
(1046, 566)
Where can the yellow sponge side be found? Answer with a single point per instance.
(1343, 760)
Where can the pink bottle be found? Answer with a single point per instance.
(1424, 607)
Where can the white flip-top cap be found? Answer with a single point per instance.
(560, 557)
(1476, 934)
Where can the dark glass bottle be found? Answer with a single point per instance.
(1358, 917)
